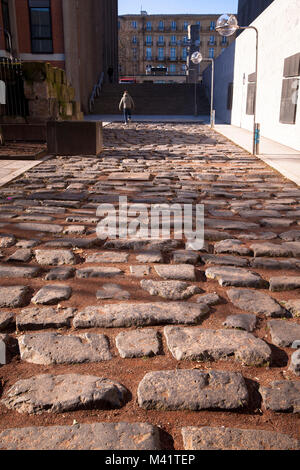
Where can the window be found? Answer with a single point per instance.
(211, 39)
(173, 26)
(185, 25)
(161, 40)
(198, 23)
(172, 68)
(184, 53)
(185, 40)
(149, 26)
(290, 88)
(149, 40)
(134, 25)
(161, 54)
(251, 94)
(173, 40)
(224, 40)
(173, 53)
(211, 53)
(134, 39)
(40, 26)
(148, 53)
(6, 25)
(212, 26)
(134, 53)
(161, 25)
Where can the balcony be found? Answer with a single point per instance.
(148, 58)
(173, 43)
(148, 43)
(160, 58)
(212, 43)
(161, 43)
(173, 59)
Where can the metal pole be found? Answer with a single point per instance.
(212, 93)
(196, 110)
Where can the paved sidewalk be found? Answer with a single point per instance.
(10, 169)
(283, 159)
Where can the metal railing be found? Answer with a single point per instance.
(96, 92)
(13, 101)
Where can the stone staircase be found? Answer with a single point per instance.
(159, 99)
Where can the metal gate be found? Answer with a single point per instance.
(11, 73)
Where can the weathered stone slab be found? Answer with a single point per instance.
(186, 257)
(209, 299)
(295, 363)
(7, 240)
(230, 224)
(2, 352)
(284, 333)
(129, 176)
(207, 345)
(48, 228)
(293, 306)
(39, 318)
(142, 244)
(60, 274)
(14, 296)
(291, 236)
(238, 277)
(97, 436)
(181, 272)
(283, 396)
(276, 222)
(127, 315)
(55, 257)
(271, 263)
(171, 290)
(26, 272)
(256, 302)
(270, 249)
(282, 283)
(215, 235)
(59, 393)
(228, 260)
(151, 257)
(85, 273)
(53, 348)
(7, 320)
(232, 247)
(108, 257)
(75, 230)
(22, 255)
(138, 343)
(245, 322)
(112, 291)
(50, 295)
(192, 390)
(209, 438)
(139, 270)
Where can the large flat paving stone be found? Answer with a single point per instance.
(282, 396)
(245, 321)
(237, 277)
(7, 320)
(7, 241)
(59, 393)
(192, 390)
(295, 363)
(41, 318)
(50, 295)
(256, 302)
(55, 257)
(15, 296)
(48, 228)
(97, 436)
(181, 272)
(142, 244)
(284, 333)
(85, 273)
(171, 290)
(201, 344)
(53, 348)
(26, 272)
(270, 249)
(232, 247)
(138, 343)
(228, 260)
(293, 306)
(128, 315)
(210, 438)
(108, 257)
(284, 283)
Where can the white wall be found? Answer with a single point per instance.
(279, 38)
(224, 68)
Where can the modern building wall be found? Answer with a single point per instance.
(223, 83)
(167, 38)
(84, 39)
(279, 39)
(249, 10)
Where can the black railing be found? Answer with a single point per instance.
(11, 73)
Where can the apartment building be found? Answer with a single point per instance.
(79, 36)
(161, 41)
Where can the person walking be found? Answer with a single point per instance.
(127, 105)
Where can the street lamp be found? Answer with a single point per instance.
(227, 25)
(196, 58)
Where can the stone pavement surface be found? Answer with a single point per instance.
(145, 343)
(11, 169)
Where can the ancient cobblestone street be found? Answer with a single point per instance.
(144, 344)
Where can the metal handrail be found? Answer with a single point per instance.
(96, 92)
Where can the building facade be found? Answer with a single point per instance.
(79, 36)
(162, 41)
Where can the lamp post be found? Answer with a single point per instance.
(227, 25)
(197, 58)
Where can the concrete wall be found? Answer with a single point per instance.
(224, 69)
(279, 38)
